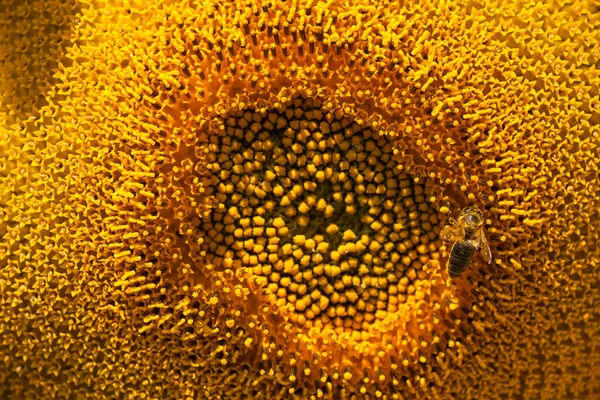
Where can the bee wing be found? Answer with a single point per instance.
(483, 244)
(450, 233)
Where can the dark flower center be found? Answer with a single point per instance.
(319, 214)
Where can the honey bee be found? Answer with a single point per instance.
(468, 237)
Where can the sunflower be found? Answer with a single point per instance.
(230, 200)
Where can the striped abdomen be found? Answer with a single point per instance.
(461, 255)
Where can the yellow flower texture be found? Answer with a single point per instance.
(243, 200)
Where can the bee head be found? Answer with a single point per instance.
(472, 217)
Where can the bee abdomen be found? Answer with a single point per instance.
(460, 257)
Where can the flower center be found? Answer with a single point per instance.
(319, 215)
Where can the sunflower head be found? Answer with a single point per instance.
(244, 200)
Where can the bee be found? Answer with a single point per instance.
(468, 237)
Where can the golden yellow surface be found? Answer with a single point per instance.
(231, 200)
